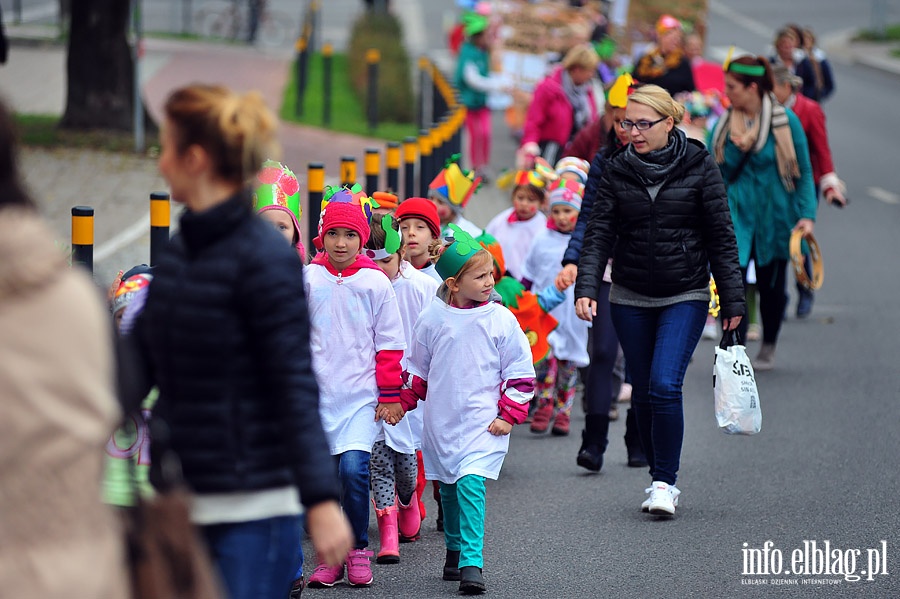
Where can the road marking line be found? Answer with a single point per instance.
(109, 248)
(883, 195)
(748, 23)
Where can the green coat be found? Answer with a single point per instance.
(469, 52)
(763, 212)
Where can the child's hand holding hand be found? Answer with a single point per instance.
(566, 277)
(392, 413)
(500, 427)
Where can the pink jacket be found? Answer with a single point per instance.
(549, 116)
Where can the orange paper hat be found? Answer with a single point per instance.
(455, 185)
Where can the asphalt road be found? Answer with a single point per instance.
(822, 469)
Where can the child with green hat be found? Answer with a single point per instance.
(462, 329)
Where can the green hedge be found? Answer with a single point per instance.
(383, 32)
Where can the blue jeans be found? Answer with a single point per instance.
(658, 344)
(256, 560)
(353, 469)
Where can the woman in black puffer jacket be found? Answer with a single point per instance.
(662, 201)
(225, 338)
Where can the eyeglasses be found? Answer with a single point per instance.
(641, 125)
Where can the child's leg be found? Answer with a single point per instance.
(354, 473)
(471, 499)
(420, 483)
(545, 374)
(485, 141)
(473, 127)
(381, 475)
(544, 378)
(405, 472)
(566, 378)
(450, 505)
(408, 518)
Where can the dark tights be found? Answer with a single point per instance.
(771, 281)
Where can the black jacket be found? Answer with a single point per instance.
(225, 337)
(667, 246)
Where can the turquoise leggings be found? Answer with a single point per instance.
(463, 504)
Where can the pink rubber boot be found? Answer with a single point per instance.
(409, 520)
(389, 551)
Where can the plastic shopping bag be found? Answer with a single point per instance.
(736, 397)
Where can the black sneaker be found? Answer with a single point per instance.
(297, 588)
(471, 581)
(451, 565)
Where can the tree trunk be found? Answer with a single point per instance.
(100, 67)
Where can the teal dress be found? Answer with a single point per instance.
(763, 211)
(469, 52)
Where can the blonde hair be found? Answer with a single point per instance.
(655, 97)
(582, 55)
(474, 261)
(236, 131)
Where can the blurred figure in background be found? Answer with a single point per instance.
(58, 411)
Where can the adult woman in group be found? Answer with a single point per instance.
(762, 152)
(789, 52)
(604, 344)
(58, 409)
(225, 337)
(562, 104)
(661, 212)
(666, 65)
(786, 89)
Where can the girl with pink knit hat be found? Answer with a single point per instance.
(357, 346)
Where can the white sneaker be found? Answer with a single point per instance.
(710, 330)
(663, 499)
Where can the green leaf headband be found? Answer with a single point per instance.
(391, 240)
(455, 256)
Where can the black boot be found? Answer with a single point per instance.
(636, 456)
(593, 442)
(471, 581)
(451, 565)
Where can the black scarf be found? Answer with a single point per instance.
(654, 167)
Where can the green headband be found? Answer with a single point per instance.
(751, 70)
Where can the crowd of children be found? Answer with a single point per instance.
(395, 292)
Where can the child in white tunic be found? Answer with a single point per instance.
(393, 467)
(467, 418)
(517, 226)
(357, 347)
(558, 373)
(420, 226)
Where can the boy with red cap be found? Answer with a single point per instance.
(421, 230)
(357, 344)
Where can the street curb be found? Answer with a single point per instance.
(872, 55)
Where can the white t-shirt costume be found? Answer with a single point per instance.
(569, 339)
(432, 272)
(515, 238)
(415, 291)
(465, 224)
(465, 355)
(352, 318)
